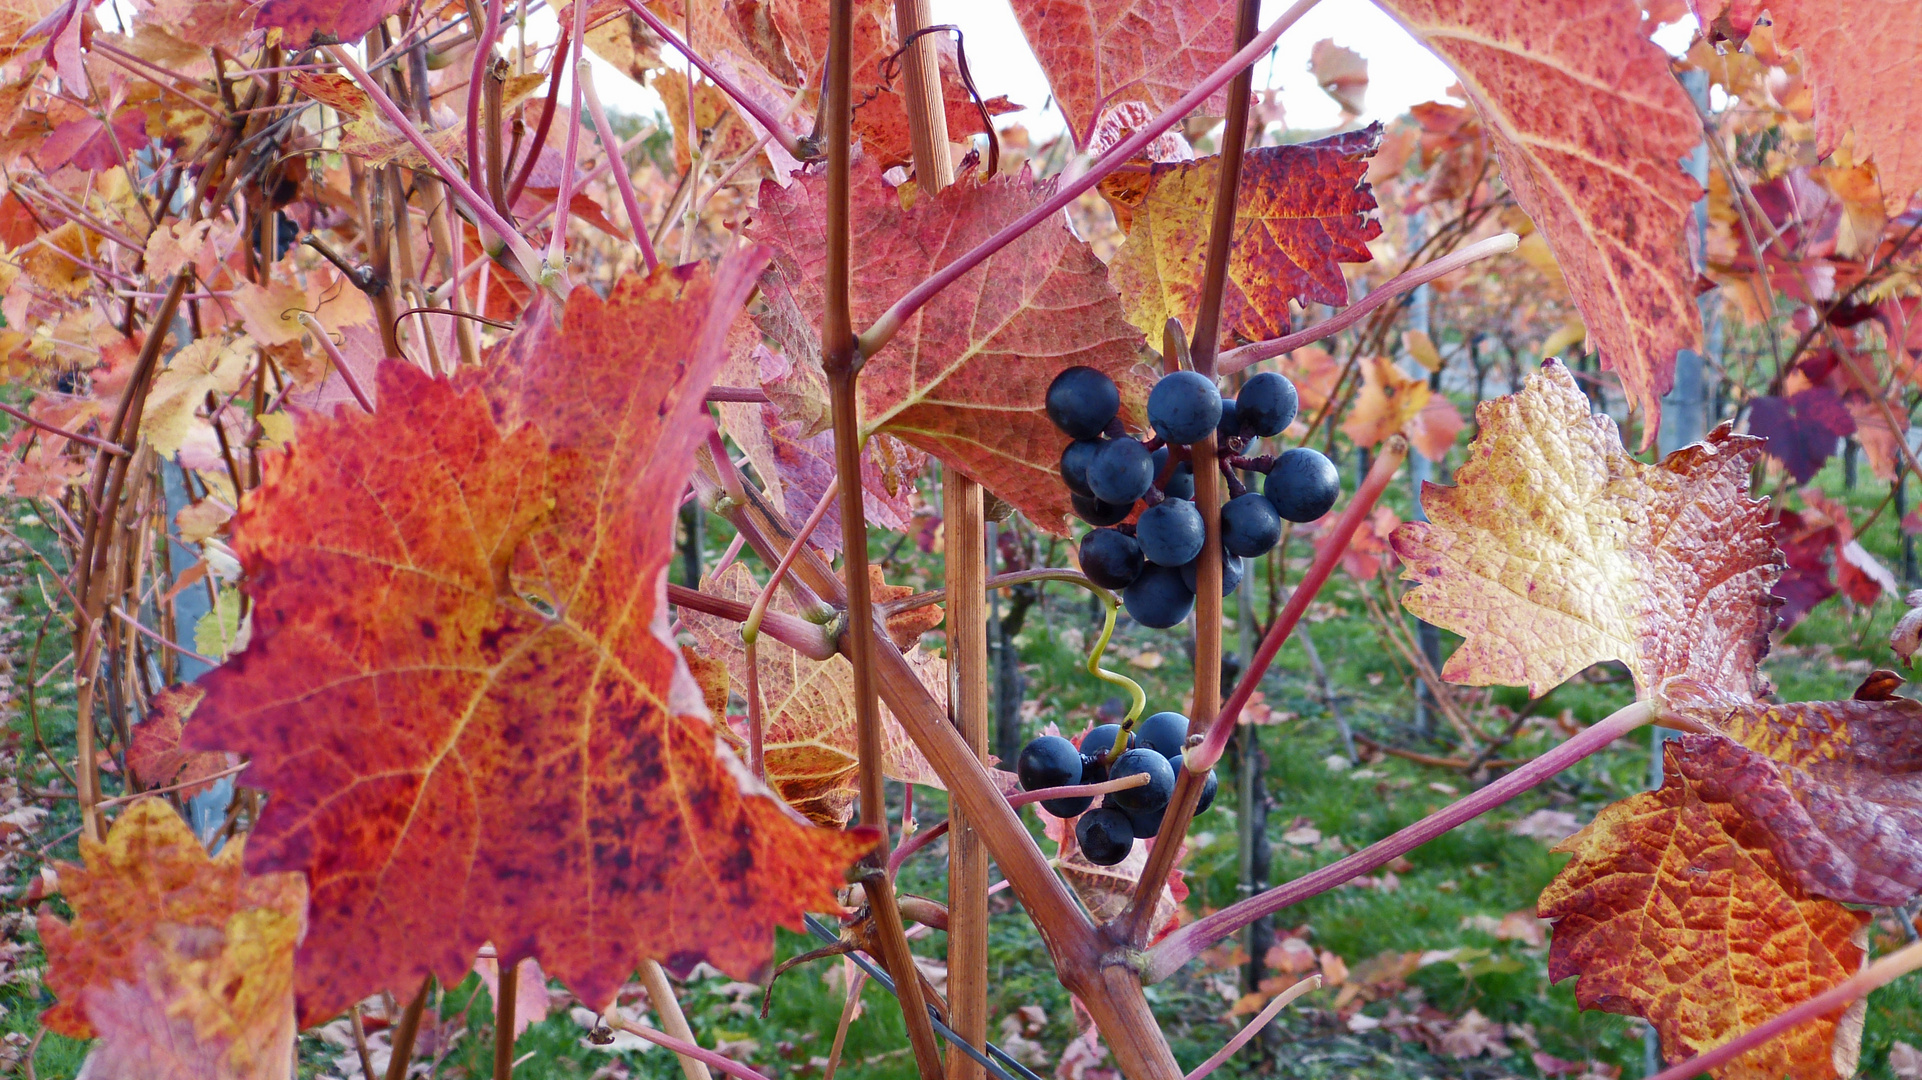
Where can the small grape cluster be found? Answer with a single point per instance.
(1106, 833)
(1155, 561)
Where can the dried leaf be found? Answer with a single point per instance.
(1100, 54)
(1589, 126)
(1674, 908)
(208, 365)
(478, 731)
(1303, 210)
(1556, 550)
(148, 880)
(1342, 74)
(965, 378)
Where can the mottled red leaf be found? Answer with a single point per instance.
(1590, 127)
(1303, 210)
(1099, 53)
(965, 377)
(459, 692)
(335, 20)
(1803, 430)
(155, 755)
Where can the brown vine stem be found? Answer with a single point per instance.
(507, 981)
(406, 1031)
(1185, 944)
(965, 562)
(1393, 451)
(796, 633)
(841, 356)
(1884, 971)
(1248, 355)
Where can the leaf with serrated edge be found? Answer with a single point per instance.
(966, 377)
(1590, 127)
(1099, 53)
(148, 875)
(807, 707)
(1303, 210)
(1557, 550)
(459, 691)
(1674, 909)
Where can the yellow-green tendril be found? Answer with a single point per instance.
(1140, 698)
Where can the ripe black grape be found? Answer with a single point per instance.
(1164, 732)
(1181, 482)
(1111, 559)
(1074, 465)
(1267, 404)
(1160, 459)
(1082, 402)
(1184, 406)
(1229, 426)
(1095, 746)
(1150, 796)
(1105, 835)
(1171, 532)
(1231, 568)
(1122, 471)
(1098, 513)
(1052, 761)
(1209, 787)
(1303, 485)
(1147, 825)
(1158, 599)
(1249, 526)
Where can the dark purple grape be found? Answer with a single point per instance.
(1147, 826)
(1171, 532)
(1149, 797)
(1158, 599)
(1267, 404)
(1074, 465)
(1164, 732)
(1051, 761)
(1111, 558)
(1122, 471)
(1184, 407)
(1229, 426)
(1250, 527)
(1095, 746)
(1231, 570)
(1105, 836)
(1082, 402)
(1181, 482)
(1303, 485)
(1209, 787)
(1098, 513)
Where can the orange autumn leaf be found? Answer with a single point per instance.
(1589, 126)
(1302, 211)
(141, 895)
(1674, 909)
(1100, 54)
(475, 729)
(1392, 401)
(1556, 550)
(965, 377)
(807, 706)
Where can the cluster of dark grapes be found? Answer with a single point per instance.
(1107, 832)
(1155, 560)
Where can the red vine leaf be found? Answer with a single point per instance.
(1304, 209)
(809, 740)
(1589, 126)
(138, 892)
(155, 755)
(965, 377)
(459, 690)
(1557, 550)
(1674, 908)
(342, 20)
(1802, 429)
(1864, 63)
(1099, 54)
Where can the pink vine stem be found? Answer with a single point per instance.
(483, 56)
(1019, 799)
(751, 634)
(340, 362)
(1247, 355)
(1253, 1027)
(682, 1046)
(891, 321)
(1834, 999)
(749, 106)
(1188, 942)
(564, 198)
(483, 209)
(86, 440)
(611, 146)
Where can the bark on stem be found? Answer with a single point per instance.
(1188, 942)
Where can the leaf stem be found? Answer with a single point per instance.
(340, 362)
(1879, 974)
(1202, 758)
(405, 1032)
(684, 1047)
(611, 147)
(891, 321)
(1185, 944)
(796, 633)
(483, 58)
(660, 994)
(747, 104)
(556, 261)
(507, 980)
(85, 440)
(1253, 1027)
(1020, 798)
(751, 636)
(1248, 355)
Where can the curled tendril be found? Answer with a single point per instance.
(890, 69)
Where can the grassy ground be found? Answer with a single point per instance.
(1446, 904)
